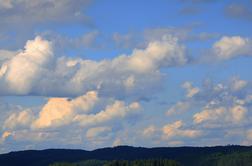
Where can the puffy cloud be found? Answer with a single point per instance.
(179, 107)
(60, 111)
(238, 113)
(149, 131)
(56, 112)
(129, 82)
(157, 54)
(37, 71)
(115, 111)
(74, 114)
(191, 91)
(175, 129)
(24, 70)
(224, 108)
(208, 114)
(230, 47)
(249, 135)
(238, 84)
(117, 142)
(45, 128)
(20, 119)
(6, 55)
(97, 131)
(234, 114)
(222, 104)
(217, 109)
(63, 111)
(4, 136)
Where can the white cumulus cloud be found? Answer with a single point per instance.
(232, 46)
(36, 70)
(175, 129)
(60, 111)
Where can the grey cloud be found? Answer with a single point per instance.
(198, 1)
(190, 10)
(239, 11)
(30, 12)
(21, 19)
(91, 40)
(141, 39)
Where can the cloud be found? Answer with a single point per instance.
(55, 123)
(117, 110)
(6, 4)
(184, 34)
(218, 109)
(35, 12)
(61, 111)
(96, 132)
(158, 54)
(124, 40)
(231, 47)
(199, 1)
(190, 10)
(20, 119)
(89, 40)
(141, 39)
(24, 70)
(34, 136)
(6, 55)
(194, 7)
(191, 91)
(179, 107)
(235, 114)
(175, 129)
(88, 120)
(239, 11)
(21, 19)
(37, 71)
(249, 135)
(208, 114)
(117, 142)
(238, 84)
(4, 136)
(149, 131)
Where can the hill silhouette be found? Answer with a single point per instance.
(184, 155)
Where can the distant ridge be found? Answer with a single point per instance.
(48, 156)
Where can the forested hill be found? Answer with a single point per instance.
(185, 155)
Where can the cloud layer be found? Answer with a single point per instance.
(36, 70)
(103, 102)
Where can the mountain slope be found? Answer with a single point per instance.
(185, 155)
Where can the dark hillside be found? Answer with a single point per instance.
(184, 155)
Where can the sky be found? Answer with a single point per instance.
(88, 74)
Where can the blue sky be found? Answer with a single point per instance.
(95, 73)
